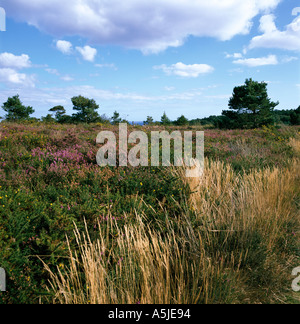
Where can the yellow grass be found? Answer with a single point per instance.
(295, 144)
(150, 270)
(260, 198)
(204, 256)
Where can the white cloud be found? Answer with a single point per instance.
(151, 26)
(288, 39)
(12, 77)
(8, 60)
(169, 88)
(41, 97)
(183, 70)
(221, 97)
(288, 59)
(88, 53)
(234, 55)
(237, 70)
(64, 46)
(52, 71)
(67, 78)
(261, 61)
(107, 65)
(272, 82)
(296, 11)
(267, 24)
(9, 66)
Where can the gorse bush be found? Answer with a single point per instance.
(240, 229)
(49, 180)
(229, 252)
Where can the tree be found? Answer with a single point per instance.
(59, 112)
(165, 120)
(103, 119)
(182, 121)
(295, 117)
(16, 111)
(250, 106)
(86, 109)
(283, 116)
(116, 119)
(48, 119)
(211, 121)
(149, 121)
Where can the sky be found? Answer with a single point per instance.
(142, 58)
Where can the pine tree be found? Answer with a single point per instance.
(165, 120)
(182, 121)
(16, 111)
(295, 117)
(59, 112)
(116, 119)
(86, 109)
(250, 106)
(149, 121)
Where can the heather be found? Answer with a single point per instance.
(234, 239)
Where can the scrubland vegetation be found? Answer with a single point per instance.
(72, 232)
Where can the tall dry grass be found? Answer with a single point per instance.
(142, 266)
(294, 142)
(236, 241)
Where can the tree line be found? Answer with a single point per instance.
(249, 107)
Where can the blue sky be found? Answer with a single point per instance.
(143, 57)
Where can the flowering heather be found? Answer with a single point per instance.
(50, 183)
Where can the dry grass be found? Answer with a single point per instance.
(261, 198)
(236, 241)
(295, 144)
(141, 267)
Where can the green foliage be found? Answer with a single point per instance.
(282, 116)
(182, 121)
(49, 180)
(58, 109)
(295, 117)
(59, 112)
(86, 109)
(116, 119)
(16, 111)
(250, 106)
(286, 117)
(149, 121)
(165, 120)
(48, 119)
